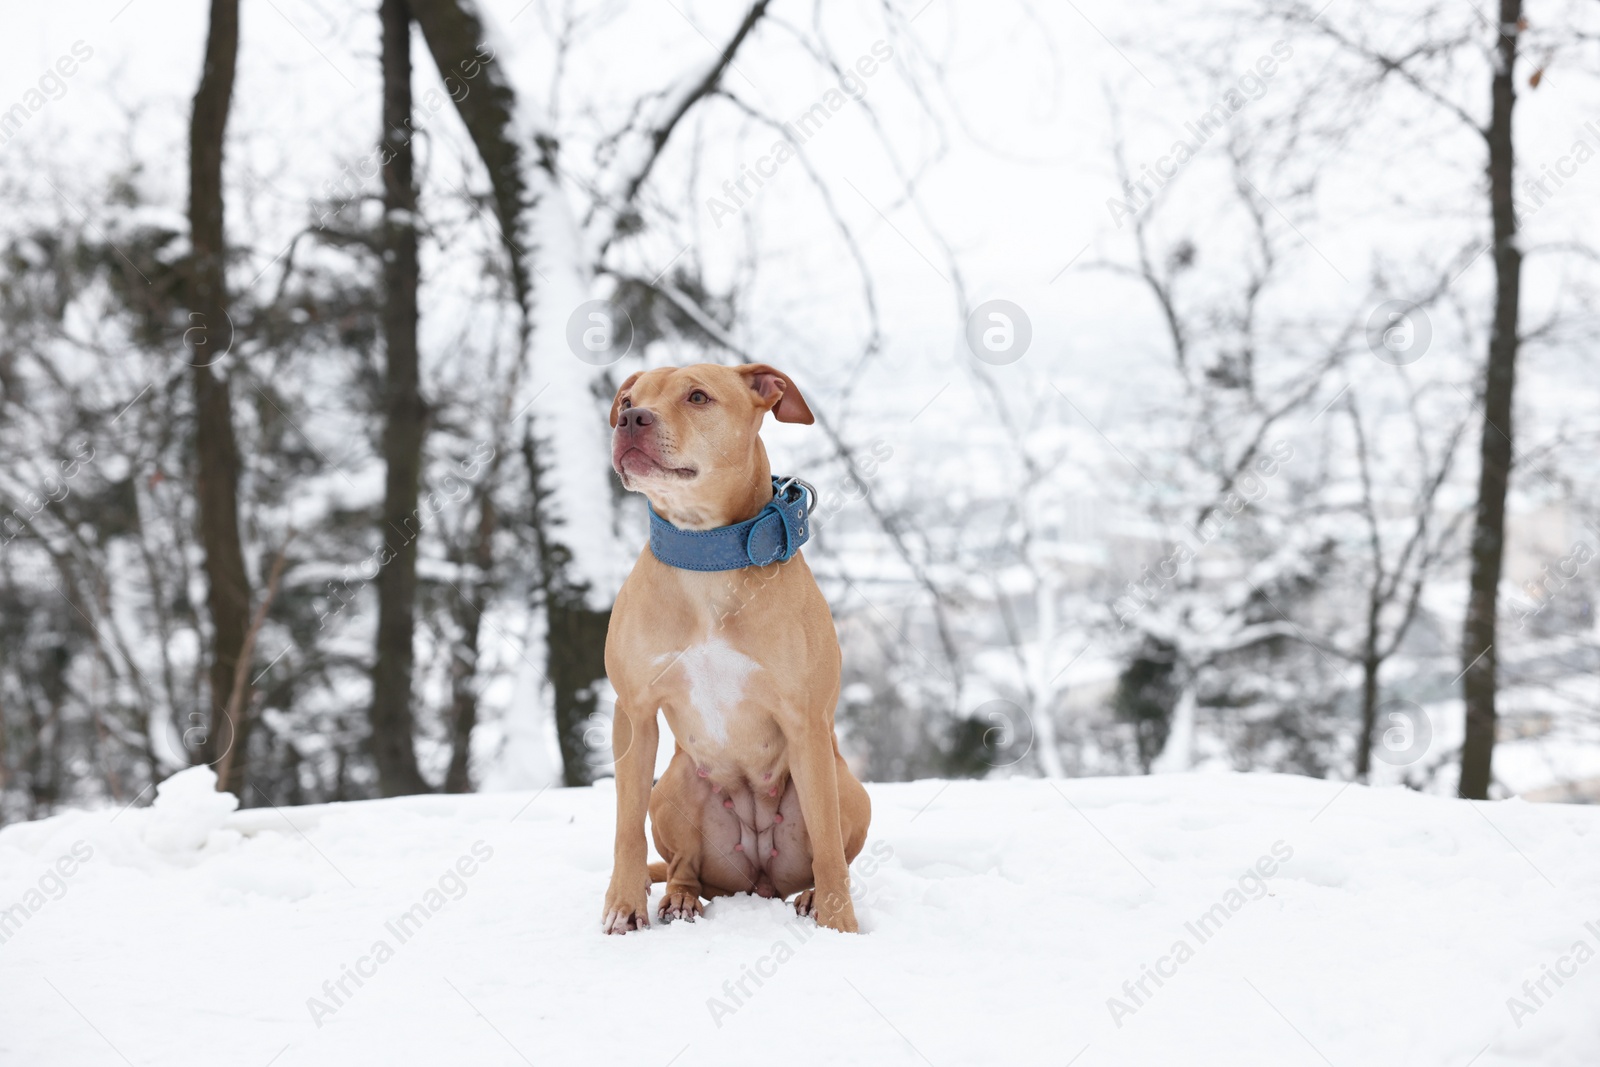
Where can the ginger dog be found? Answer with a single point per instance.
(745, 664)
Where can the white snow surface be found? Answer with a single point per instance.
(999, 919)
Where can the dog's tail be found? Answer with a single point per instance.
(658, 872)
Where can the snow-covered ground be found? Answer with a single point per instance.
(1019, 922)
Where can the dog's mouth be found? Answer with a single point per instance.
(635, 462)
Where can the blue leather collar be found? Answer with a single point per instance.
(773, 536)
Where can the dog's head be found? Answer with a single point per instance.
(688, 438)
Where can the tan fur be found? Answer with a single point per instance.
(744, 664)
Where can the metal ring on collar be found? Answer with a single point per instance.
(782, 488)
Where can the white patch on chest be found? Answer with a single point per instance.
(716, 673)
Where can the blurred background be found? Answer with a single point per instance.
(1198, 386)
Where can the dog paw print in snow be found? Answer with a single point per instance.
(187, 811)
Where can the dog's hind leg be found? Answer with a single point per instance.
(855, 809)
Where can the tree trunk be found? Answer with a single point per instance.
(1371, 663)
(393, 750)
(577, 664)
(1488, 531)
(575, 637)
(1369, 716)
(474, 601)
(210, 336)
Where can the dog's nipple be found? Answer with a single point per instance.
(702, 772)
(739, 847)
(715, 788)
(772, 792)
(774, 852)
(777, 818)
(767, 777)
(727, 803)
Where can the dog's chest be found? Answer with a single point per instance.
(714, 679)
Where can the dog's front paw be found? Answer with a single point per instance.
(626, 909)
(834, 910)
(681, 902)
(843, 920)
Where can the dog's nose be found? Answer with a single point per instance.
(635, 419)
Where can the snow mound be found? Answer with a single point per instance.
(187, 811)
(1184, 919)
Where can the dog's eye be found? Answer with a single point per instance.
(699, 397)
(626, 404)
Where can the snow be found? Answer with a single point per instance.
(1001, 920)
(564, 400)
(187, 811)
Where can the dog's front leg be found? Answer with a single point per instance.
(634, 735)
(811, 760)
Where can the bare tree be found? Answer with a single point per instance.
(1495, 446)
(210, 337)
(405, 415)
(1427, 68)
(1234, 411)
(1396, 581)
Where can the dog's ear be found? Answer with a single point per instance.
(777, 393)
(616, 401)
